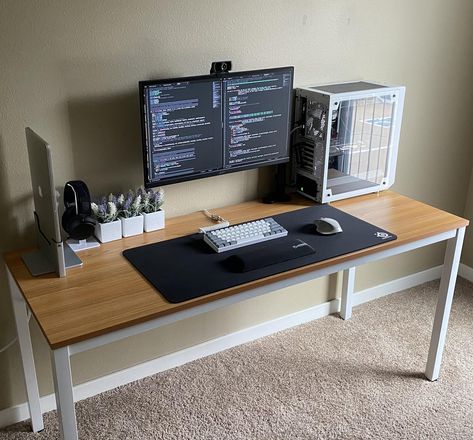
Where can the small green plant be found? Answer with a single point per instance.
(105, 209)
(151, 201)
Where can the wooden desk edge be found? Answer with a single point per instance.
(12, 259)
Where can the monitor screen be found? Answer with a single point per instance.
(208, 125)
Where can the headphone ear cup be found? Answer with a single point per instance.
(81, 227)
(68, 215)
(90, 220)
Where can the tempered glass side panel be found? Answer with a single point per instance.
(359, 143)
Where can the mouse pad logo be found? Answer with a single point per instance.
(382, 235)
(299, 244)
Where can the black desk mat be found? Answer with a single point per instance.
(186, 267)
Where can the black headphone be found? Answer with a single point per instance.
(77, 219)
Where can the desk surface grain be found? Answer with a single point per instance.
(107, 293)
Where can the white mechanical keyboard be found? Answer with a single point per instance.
(233, 237)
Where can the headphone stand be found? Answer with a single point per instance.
(81, 245)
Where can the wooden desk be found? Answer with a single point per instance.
(107, 299)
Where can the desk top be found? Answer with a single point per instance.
(107, 293)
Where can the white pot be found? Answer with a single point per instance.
(154, 221)
(106, 232)
(132, 225)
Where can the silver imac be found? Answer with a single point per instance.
(52, 255)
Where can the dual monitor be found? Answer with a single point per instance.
(202, 126)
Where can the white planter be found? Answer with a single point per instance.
(154, 221)
(106, 232)
(132, 225)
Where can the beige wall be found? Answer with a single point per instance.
(467, 255)
(70, 70)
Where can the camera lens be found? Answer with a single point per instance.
(224, 66)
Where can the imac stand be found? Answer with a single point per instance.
(39, 262)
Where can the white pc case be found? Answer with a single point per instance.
(347, 141)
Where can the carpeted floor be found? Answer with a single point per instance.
(330, 379)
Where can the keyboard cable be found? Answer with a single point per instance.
(215, 217)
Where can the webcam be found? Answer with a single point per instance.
(220, 67)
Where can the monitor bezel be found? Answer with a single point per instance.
(153, 183)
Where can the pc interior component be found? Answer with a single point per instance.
(53, 255)
(77, 219)
(347, 141)
(244, 234)
(209, 125)
(327, 226)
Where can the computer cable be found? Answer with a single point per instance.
(15, 339)
(219, 220)
(296, 128)
(212, 216)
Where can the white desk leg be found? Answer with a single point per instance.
(347, 293)
(62, 376)
(444, 304)
(26, 351)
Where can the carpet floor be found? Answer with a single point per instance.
(329, 379)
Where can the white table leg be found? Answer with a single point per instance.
(347, 293)
(26, 351)
(444, 304)
(62, 376)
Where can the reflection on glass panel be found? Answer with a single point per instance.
(359, 142)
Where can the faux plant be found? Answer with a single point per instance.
(151, 201)
(105, 209)
(129, 205)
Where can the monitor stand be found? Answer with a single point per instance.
(280, 194)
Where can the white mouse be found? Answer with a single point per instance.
(327, 226)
